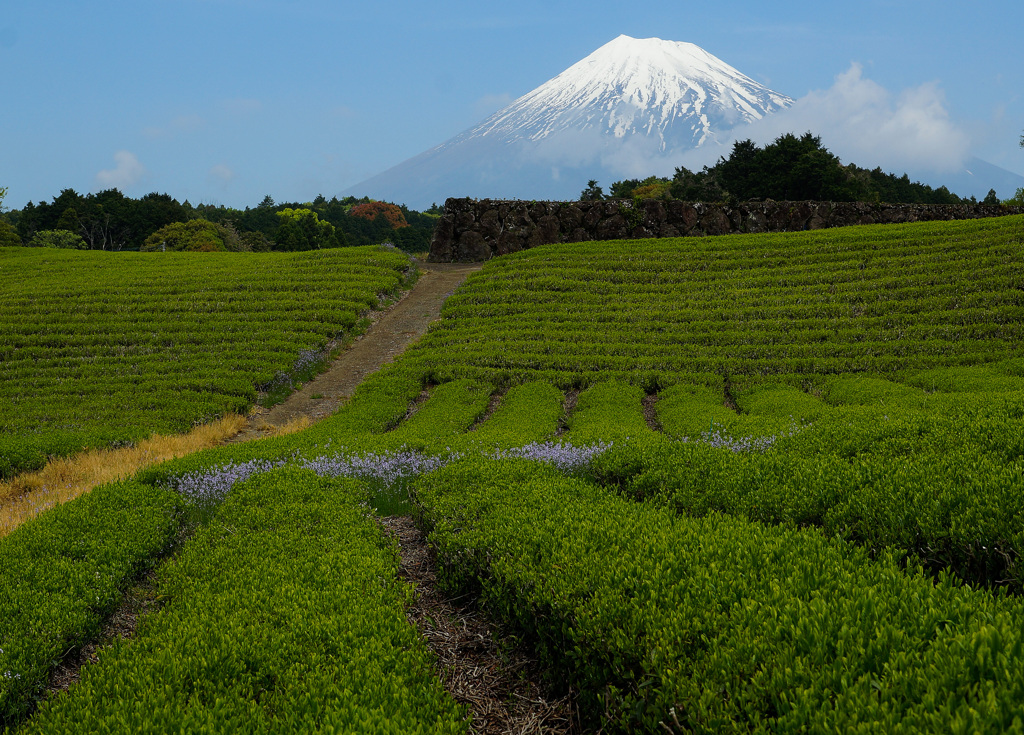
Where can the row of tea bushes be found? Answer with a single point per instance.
(938, 477)
(719, 624)
(98, 348)
(283, 614)
(887, 300)
(63, 573)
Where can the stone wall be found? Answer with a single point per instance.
(478, 229)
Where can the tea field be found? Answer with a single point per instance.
(764, 483)
(99, 348)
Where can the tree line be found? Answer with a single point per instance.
(790, 168)
(109, 220)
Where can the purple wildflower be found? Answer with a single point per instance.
(213, 485)
(564, 456)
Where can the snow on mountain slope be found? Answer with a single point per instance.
(626, 110)
(673, 91)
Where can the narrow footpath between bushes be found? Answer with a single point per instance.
(489, 673)
(494, 677)
(392, 331)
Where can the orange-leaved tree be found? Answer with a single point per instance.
(372, 210)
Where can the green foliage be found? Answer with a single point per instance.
(111, 221)
(608, 411)
(842, 455)
(789, 168)
(653, 187)
(882, 300)
(95, 350)
(9, 237)
(107, 220)
(451, 409)
(63, 572)
(302, 229)
(527, 413)
(888, 470)
(720, 624)
(197, 235)
(283, 615)
(1017, 199)
(58, 239)
(592, 193)
(687, 411)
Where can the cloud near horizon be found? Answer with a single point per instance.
(127, 172)
(863, 123)
(221, 173)
(858, 120)
(179, 125)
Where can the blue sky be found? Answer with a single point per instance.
(224, 101)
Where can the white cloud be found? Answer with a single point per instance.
(865, 124)
(221, 172)
(180, 124)
(127, 172)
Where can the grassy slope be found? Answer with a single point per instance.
(99, 348)
(753, 322)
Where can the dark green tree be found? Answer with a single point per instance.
(58, 239)
(9, 237)
(69, 220)
(197, 235)
(623, 189)
(302, 229)
(592, 193)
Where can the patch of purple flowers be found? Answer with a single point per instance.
(213, 485)
(389, 468)
(304, 365)
(564, 456)
(720, 440)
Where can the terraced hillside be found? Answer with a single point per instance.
(99, 348)
(738, 484)
(880, 300)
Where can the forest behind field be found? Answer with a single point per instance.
(109, 220)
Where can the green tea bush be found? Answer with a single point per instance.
(527, 413)
(62, 573)
(98, 348)
(606, 412)
(720, 624)
(284, 614)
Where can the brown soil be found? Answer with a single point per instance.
(392, 331)
(499, 683)
(138, 600)
(650, 409)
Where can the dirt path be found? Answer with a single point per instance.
(477, 664)
(403, 322)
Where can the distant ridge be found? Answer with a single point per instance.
(628, 110)
(607, 116)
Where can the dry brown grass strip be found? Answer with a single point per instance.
(64, 479)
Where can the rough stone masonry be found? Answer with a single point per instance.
(478, 229)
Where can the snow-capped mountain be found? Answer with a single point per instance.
(626, 110)
(672, 92)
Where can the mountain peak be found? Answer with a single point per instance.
(673, 91)
(631, 103)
